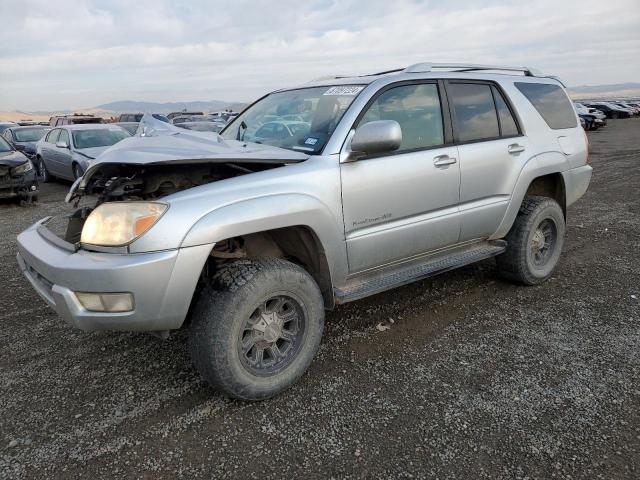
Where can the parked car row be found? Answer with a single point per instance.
(594, 114)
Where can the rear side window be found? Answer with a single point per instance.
(416, 108)
(508, 126)
(551, 103)
(474, 111)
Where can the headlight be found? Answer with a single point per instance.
(25, 167)
(119, 223)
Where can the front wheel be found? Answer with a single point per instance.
(77, 171)
(534, 242)
(45, 176)
(256, 327)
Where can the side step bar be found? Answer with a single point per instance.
(398, 275)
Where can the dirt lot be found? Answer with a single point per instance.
(476, 378)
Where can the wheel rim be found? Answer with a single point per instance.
(543, 242)
(43, 171)
(271, 337)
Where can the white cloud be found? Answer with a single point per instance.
(81, 53)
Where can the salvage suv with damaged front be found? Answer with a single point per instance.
(247, 237)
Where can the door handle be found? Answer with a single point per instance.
(515, 148)
(443, 160)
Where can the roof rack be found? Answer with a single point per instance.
(329, 77)
(464, 67)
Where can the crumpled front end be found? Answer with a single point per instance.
(18, 181)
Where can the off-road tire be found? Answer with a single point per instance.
(219, 321)
(517, 263)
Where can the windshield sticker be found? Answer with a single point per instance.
(347, 90)
(311, 141)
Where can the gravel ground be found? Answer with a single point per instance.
(476, 378)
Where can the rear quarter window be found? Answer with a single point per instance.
(551, 103)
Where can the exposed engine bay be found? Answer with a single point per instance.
(115, 182)
(131, 182)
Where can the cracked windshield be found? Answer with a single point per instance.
(301, 120)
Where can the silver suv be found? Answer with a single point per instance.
(312, 197)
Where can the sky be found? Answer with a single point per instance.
(68, 54)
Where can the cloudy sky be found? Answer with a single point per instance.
(79, 53)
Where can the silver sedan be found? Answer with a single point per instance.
(66, 152)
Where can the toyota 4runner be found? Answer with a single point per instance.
(312, 197)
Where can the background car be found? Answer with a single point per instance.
(18, 178)
(184, 113)
(5, 125)
(75, 119)
(136, 117)
(189, 118)
(68, 151)
(610, 110)
(24, 139)
(281, 130)
(584, 110)
(131, 127)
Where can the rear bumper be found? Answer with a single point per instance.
(576, 182)
(162, 283)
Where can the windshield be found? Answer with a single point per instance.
(300, 120)
(103, 137)
(4, 146)
(29, 134)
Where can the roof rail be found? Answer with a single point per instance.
(329, 77)
(464, 67)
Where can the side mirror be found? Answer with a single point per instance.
(62, 145)
(380, 136)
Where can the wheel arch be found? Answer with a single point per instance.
(542, 176)
(294, 226)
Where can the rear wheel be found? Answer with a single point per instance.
(45, 176)
(534, 242)
(257, 327)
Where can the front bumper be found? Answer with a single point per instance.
(162, 283)
(23, 186)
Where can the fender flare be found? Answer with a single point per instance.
(542, 164)
(270, 212)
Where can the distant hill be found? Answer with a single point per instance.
(113, 109)
(630, 89)
(132, 106)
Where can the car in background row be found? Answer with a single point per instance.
(131, 127)
(24, 139)
(628, 106)
(591, 118)
(5, 125)
(225, 116)
(68, 151)
(18, 179)
(609, 109)
(75, 119)
(184, 113)
(136, 117)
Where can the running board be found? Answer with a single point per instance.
(398, 275)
